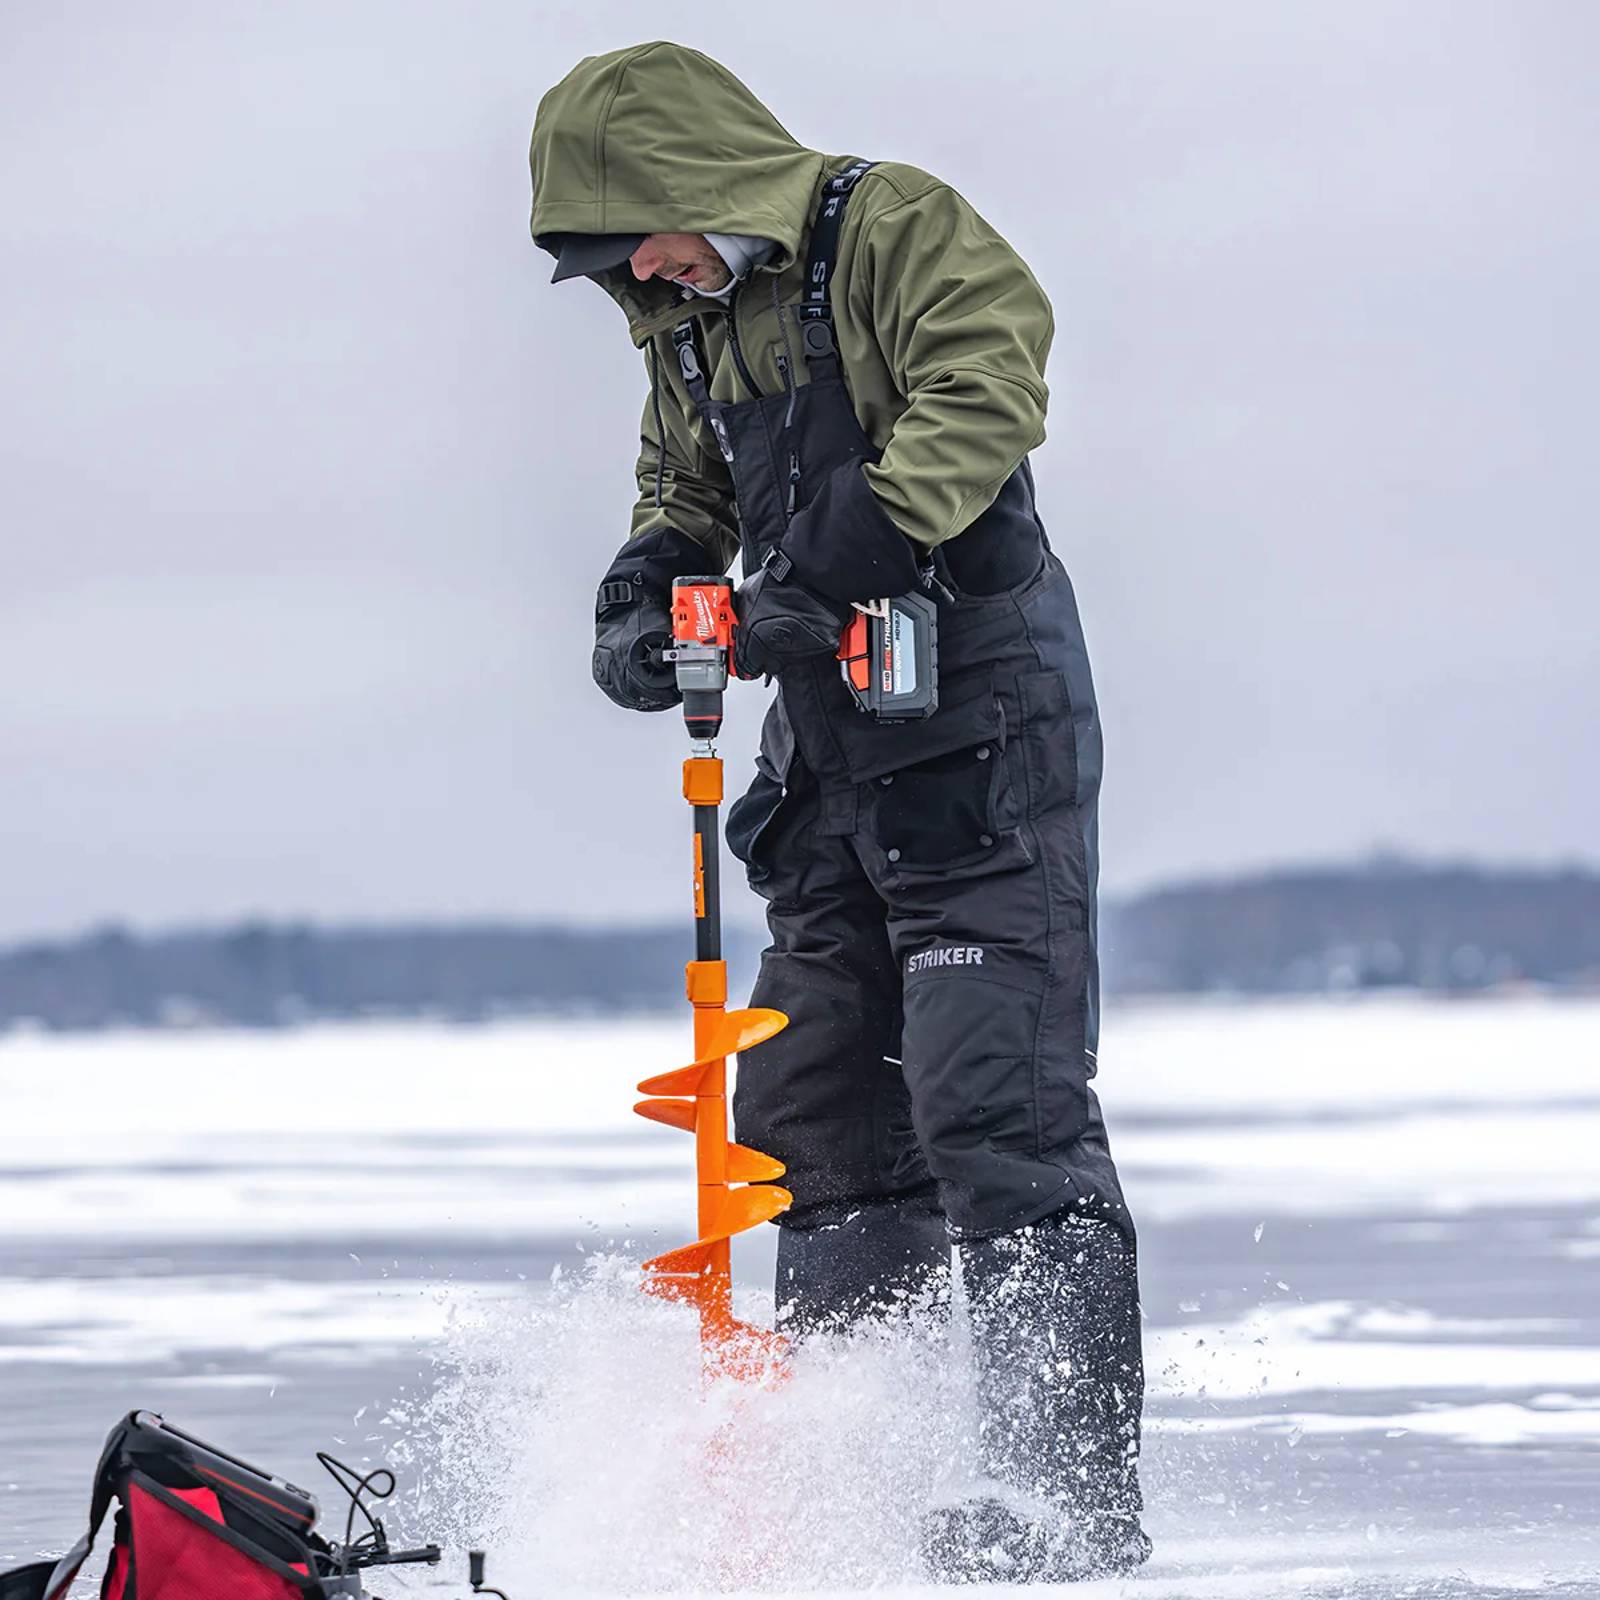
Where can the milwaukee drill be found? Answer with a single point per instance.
(702, 644)
(888, 654)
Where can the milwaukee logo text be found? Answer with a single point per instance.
(952, 955)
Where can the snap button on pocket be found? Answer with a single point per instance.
(894, 855)
(983, 752)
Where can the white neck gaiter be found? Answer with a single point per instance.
(740, 252)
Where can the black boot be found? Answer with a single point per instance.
(878, 1257)
(1060, 1381)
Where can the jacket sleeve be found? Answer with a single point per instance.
(696, 491)
(965, 330)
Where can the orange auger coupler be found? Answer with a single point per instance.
(736, 1190)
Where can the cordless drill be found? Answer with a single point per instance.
(888, 654)
(702, 643)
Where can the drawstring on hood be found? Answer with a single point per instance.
(661, 432)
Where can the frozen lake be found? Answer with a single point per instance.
(1370, 1256)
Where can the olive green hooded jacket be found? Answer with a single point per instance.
(942, 329)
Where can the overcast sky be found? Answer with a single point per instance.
(308, 473)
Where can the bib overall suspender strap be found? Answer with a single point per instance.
(817, 342)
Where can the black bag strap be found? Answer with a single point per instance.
(816, 304)
(27, 1583)
(54, 1579)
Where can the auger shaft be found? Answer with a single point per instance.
(706, 981)
(707, 870)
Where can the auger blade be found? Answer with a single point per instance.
(681, 1080)
(727, 1035)
(750, 1166)
(675, 1113)
(740, 1030)
(739, 1209)
(679, 1274)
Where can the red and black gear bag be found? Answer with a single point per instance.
(192, 1523)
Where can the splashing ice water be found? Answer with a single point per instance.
(571, 1435)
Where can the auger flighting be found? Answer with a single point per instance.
(735, 1184)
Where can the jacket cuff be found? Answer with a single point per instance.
(843, 544)
(647, 565)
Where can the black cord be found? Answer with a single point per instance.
(355, 1485)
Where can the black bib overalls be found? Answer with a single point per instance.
(930, 885)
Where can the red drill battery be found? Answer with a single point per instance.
(889, 658)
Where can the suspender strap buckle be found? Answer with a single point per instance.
(816, 338)
(687, 346)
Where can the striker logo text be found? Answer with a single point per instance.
(951, 955)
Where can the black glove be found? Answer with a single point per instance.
(633, 619)
(629, 636)
(782, 621)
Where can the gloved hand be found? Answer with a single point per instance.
(629, 636)
(840, 546)
(633, 619)
(782, 621)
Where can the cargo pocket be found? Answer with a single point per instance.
(1048, 741)
(969, 1062)
(749, 826)
(938, 797)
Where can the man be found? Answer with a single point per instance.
(846, 370)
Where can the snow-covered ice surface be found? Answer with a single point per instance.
(1370, 1253)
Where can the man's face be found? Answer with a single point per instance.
(681, 258)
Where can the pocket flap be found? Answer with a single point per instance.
(872, 749)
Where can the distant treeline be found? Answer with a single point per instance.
(1390, 923)
(1291, 932)
(268, 975)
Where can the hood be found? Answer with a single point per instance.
(661, 139)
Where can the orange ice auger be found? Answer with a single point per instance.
(735, 1184)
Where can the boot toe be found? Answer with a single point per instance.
(983, 1540)
(1120, 1550)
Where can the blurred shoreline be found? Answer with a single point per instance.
(1385, 926)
